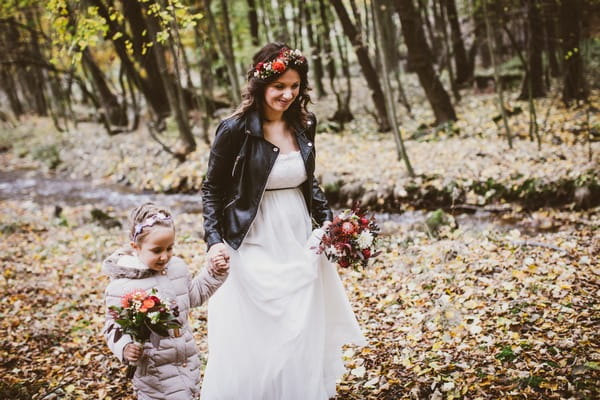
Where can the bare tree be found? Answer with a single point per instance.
(368, 70)
(420, 57)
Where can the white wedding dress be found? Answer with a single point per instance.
(276, 326)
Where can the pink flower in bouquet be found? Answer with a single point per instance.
(348, 228)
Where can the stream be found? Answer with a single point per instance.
(57, 190)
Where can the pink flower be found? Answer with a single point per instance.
(348, 228)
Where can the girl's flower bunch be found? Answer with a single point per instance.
(351, 239)
(142, 313)
(265, 70)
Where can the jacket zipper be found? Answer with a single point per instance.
(237, 159)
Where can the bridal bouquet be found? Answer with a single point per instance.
(351, 239)
(140, 314)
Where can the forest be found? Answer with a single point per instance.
(470, 129)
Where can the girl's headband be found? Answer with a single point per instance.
(148, 222)
(279, 64)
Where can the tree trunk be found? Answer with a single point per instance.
(434, 38)
(225, 46)
(419, 53)
(115, 114)
(481, 45)
(574, 85)
(447, 59)
(282, 33)
(343, 113)
(7, 83)
(156, 85)
(533, 84)
(464, 71)
(499, 90)
(153, 91)
(174, 98)
(36, 77)
(368, 70)
(315, 49)
(391, 106)
(550, 17)
(253, 19)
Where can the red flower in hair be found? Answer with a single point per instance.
(278, 66)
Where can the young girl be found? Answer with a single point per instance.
(169, 367)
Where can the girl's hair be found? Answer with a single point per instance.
(146, 216)
(254, 93)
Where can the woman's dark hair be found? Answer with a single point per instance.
(253, 93)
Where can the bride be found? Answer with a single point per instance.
(276, 326)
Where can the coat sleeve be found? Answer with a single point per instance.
(214, 185)
(320, 208)
(203, 286)
(112, 297)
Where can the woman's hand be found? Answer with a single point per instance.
(132, 352)
(218, 259)
(325, 225)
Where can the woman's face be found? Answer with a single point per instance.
(156, 248)
(282, 92)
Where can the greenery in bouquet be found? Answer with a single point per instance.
(351, 239)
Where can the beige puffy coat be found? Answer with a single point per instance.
(170, 366)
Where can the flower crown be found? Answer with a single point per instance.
(279, 64)
(148, 222)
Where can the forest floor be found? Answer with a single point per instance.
(505, 310)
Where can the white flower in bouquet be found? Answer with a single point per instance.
(334, 251)
(364, 240)
(154, 317)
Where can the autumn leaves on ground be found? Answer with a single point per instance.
(506, 309)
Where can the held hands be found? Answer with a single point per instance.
(132, 352)
(218, 259)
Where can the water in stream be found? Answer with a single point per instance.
(61, 191)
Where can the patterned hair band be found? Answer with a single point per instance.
(148, 222)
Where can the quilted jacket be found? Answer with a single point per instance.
(170, 366)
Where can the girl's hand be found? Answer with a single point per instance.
(218, 259)
(132, 352)
(219, 267)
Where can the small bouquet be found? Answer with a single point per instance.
(140, 314)
(351, 239)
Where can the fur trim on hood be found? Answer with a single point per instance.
(123, 263)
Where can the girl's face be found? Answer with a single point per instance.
(281, 93)
(156, 248)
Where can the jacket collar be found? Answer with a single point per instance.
(254, 125)
(123, 263)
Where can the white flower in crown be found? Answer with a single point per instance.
(364, 240)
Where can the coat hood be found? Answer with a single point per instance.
(124, 263)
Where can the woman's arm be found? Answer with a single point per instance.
(214, 184)
(320, 207)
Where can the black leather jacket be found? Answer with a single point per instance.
(238, 167)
